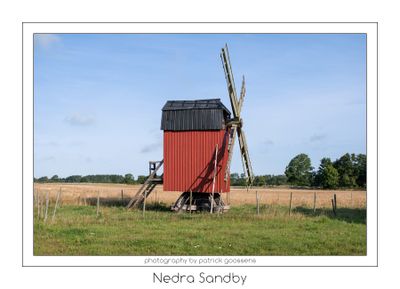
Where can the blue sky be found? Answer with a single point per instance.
(98, 98)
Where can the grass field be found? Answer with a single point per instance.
(76, 230)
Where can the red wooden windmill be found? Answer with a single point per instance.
(199, 136)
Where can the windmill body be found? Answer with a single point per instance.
(193, 132)
(199, 136)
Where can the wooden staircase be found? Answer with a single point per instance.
(148, 186)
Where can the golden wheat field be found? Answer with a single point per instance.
(82, 193)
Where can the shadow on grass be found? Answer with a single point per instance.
(349, 215)
(160, 207)
(118, 202)
(108, 202)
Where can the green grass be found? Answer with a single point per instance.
(77, 231)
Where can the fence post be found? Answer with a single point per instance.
(47, 206)
(334, 204)
(333, 207)
(258, 205)
(315, 201)
(122, 195)
(38, 204)
(98, 203)
(335, 200)
(290, 203)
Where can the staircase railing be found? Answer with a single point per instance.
(148, 186)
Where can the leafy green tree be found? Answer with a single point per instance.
(314, 179)
(141, 179)
(43, 179)
(317, 181)
(327, 175)
(237, 180)
(117, 179)
(129, 179)
(275, 180)
(234, 179)
(242, 180)
(54, 178)
(73, 179)
(234, 176)
(361, 170)
(299, 170)
(346, 168)
(330, 177)
(259, 181)
(279, 180)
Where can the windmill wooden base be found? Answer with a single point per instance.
(187, 202)
(200, 202)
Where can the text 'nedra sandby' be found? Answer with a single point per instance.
(202, 277)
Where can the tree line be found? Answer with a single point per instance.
(348, 171)
(113, 179)
(259, 181)
(236, 179)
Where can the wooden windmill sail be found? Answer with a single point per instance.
(236, 122)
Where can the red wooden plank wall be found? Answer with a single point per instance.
(189, 160)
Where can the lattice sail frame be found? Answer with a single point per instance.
(236, 123)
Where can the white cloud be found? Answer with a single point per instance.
(317, 137)
(151, 147)
(80, 120)
(46, 40)
(268, 142)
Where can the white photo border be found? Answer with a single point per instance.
(368, 28)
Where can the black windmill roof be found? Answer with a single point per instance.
(202, 114)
